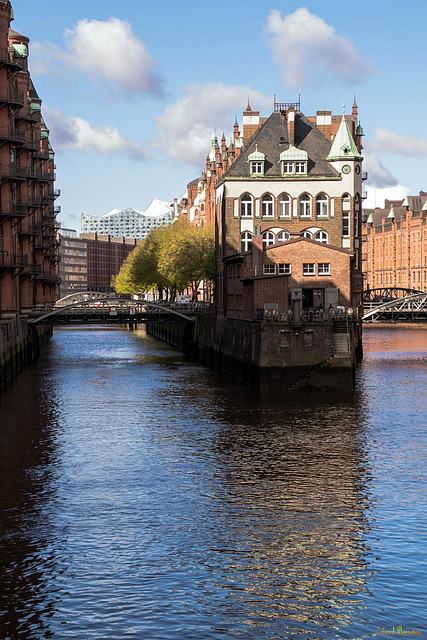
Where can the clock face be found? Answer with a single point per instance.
(346, 168)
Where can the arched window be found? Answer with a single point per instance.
(357, 207)
(245, 241)
(283, 236)
(267, 206)
(321, 236)
(284, 206)
(346, 205)
(267, 239)
(305, 206)
(322, 206)
(246, 205)
(307, 234)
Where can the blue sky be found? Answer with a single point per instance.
(130, 88)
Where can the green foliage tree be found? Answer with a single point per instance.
(171, 258)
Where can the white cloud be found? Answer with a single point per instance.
(303, 44)
(104, 49)
(390, 142)
(185, 127)
(377, 196)
(378, 175)
(76, 134)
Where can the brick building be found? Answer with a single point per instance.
(288, 212)
(394, 241)
(28, 245)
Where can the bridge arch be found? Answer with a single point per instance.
(408, 309)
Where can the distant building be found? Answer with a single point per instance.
(395, 244)
(129, 223)
(72, 263)
(89, 261)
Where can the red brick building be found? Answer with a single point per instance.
(28, 245)
(395, 244)
(288, 212)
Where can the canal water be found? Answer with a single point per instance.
(144, 496)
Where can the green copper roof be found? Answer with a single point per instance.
(35, 106)
(343, 147)
(370, 219)
(294, 154)
(20, 50)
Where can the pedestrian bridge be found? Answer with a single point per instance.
(107, 310)
(410, 308)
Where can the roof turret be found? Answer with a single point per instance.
(343, 146)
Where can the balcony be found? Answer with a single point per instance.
(32, 143)
(11, 60)
(12, 97)
(364, 175)
(30, 230)
(364, 195)
(9, 133)
(12, 171)
(34, 173)
(57, 209)
(12, 210)
(13, 261)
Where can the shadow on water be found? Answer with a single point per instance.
(145, 496)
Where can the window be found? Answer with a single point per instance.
(284, 206)
(288, 167)
(321, 236)
(307, 234)
(300, 168)
(324, 269)
(269, 269)
(285, 268)
(257, 168)
(283, 236)
(308, 269)
(245, 241)
(305, 206)
(246, 205)
(322, 206)
(267, 239)
(267, 206)
(346, 205)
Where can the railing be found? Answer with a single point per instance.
(13, 171)
(13, 210)
(364, 175)
(307, 315)
(11, 96)
(8, 57)
(13, 260)
(8, 133)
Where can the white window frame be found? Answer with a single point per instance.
(269, 269)
(322, 236)
(307, 234)
(285, 268)
(300, 168)
(267, 206)
(285, 205)
(324, 268)
(268, 239)
(322, 205)
(245, 241)
(309, 269)
(257, 168)
(246, 205)
(305, 206)
(288, 168)
(283, 236)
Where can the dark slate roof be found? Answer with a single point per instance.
(272, 138)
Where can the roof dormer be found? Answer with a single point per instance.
(294, 161)
(256, 161)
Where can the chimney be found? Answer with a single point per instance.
(323, 123)
(290, 116)
(250, 123)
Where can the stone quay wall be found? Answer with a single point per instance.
(19, 344)
(272, 355)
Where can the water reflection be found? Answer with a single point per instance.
(143, 496)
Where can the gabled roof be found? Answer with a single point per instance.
(272, 139)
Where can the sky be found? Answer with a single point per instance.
(131, 90)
